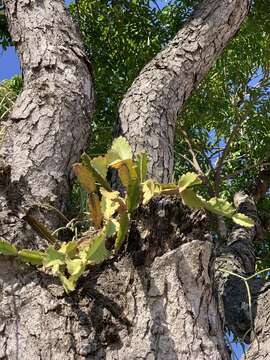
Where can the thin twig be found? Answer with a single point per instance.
(156, 3)
(195, 163)
(211, 167)
(187, 160)
(194, 159)
(246, 280)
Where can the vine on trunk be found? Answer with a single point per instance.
(111, 212)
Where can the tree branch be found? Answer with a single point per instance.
(190, 148)
(261, 185)
(238, 257)
(148, 113)
(195, 163)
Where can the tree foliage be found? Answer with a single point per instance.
(120, 38)
(9, 89)
(231, 106)
(5, 39)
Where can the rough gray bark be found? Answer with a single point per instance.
(44, 135)
(49, 124)
(238, 257)
(149, 110)
(156, 300)
(260, 346)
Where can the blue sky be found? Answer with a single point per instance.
(9, 63)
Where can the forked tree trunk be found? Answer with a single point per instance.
(155, 301)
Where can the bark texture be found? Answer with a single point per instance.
(260, 347)
(44, 136)
(260, 329)
(49, 124)
(237, 256)
(149, 110)
(154, 302)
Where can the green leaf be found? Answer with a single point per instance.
(53, 259)
(192, 200)
(85, 177)
(68, 284)
(97, 252)
(32, 256)
(7, 249)
(129, 163)
(99, 164)
(111, 228)
(69, 249)
(142, 165)
(108, 203)
(120, 150)
(149, 189)
(169, 186)
(123, 229)
(133, 195)
(75, 267)
(188, 180)
(243, 220)
(220, 207)
(124, 175)
(96, 166)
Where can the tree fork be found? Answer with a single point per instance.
(45, 134)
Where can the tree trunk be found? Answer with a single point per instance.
(49, 124)
(260, 346)
(44, 136)
(237, 257)
(155, 300)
